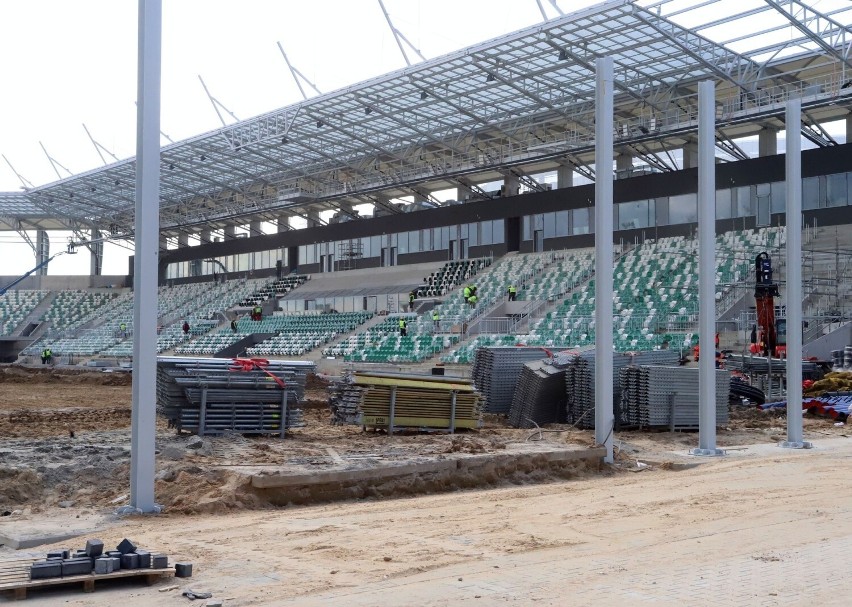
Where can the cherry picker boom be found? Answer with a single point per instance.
(765, 292)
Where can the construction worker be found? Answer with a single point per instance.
(472, 300)
(436, 321)
(403, 330)
(123, 328)
(257, 313)
(44, 356)
(513, 292)
(234, 325)
(185, 327)
(48, 355)
(466, 292)
(411, 301)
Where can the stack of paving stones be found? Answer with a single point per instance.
(496, 371)
(214, 396)
(580, 382)
(539, 397)
(94, 559)
(668, 396)
(344, 401)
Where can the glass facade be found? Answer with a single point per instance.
(825, 191)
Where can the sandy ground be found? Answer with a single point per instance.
(761, 526)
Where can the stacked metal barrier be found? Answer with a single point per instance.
(384, 400)
(540, 395)
(760, 365)
(580, 382)
(496, 371)
(668, 396)
(216, 396)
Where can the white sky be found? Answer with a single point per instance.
(66, 63)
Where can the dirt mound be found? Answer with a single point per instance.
(19, 487)
(15, 374)
(192, 490)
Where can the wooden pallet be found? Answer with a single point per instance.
(15, 577)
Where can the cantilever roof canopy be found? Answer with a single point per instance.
(519, 103)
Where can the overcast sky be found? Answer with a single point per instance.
(66, 63)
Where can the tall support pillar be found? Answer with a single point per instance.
(283, 223)
(604, 417)
(230, 232)
(163, 242)
(313, 218)
(690, 156)
(767, 142)
(96, 263)
(564, 177)
(794, 276)
(255, 229)
(42, 251)
(183, 240)
(623, 162)
(707, 269)
(511, 185)
(205, 236)
(146, 260)
(849, 128)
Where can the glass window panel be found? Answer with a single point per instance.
(473, 234)
(745, 202)
(633, 215)
(549, 225)
(538, 222)
(562, 223)
(723, 204)
(526, 232)
(580, 221)
(662, 211)
(375, 246)
(683, 209)
(438, 241)
(778, 197)
(486, 232)
(835, 190)
(810, 193)
(498, 232)
(464, 230)
(402, 243)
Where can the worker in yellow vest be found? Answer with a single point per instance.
(403, 330)
(436, 321)
(513, 293)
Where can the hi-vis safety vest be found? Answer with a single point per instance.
(401, 323)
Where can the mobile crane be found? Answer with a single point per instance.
(71, 250)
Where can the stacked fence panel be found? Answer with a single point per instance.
(539, 397)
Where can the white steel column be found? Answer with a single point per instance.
(707, 269)
(145, 263)
(794, 276)
(604, 418)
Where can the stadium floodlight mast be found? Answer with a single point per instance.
(145, 263)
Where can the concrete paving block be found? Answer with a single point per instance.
(46, 570)
(94, 548)
(130, 561)
(144, 559)
(126, 546)
(183, 569)
(159, 561)
(103, 565)
(76, 567)
(116, 563)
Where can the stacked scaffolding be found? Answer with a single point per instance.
(395, 400)
(580, 382)
(496, 371)
(668, 396)
(540, 395)
(216, 396)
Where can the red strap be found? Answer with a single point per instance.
(248, 364)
